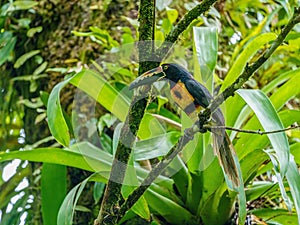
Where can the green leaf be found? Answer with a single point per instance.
(32, 31)
(275, 216)
(293, 178)
(40, 69)
(172, 14)
(269, 119)
(282, 78)
(245, 56)
(156, 146)
(22, 59)
(98, 191)
(82, 157)
(67, 209)
(140, 207)
(295, 151)
(56, 120)
(150, 127)
(8, 42)
(248, 142)
(251, 163)
(284, 195)
(260, 189)
(287, 7)
(206, 47)
(287, 91)
(98, 88)
(53, 191)
(23, 5)
(171, 211)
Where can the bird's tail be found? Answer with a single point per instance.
(225, 151)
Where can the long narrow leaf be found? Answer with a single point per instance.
(270, 120)
(248, 142)
(206, 47)
(67, 209)
(53, 191)
(293, 178)
(57, 123)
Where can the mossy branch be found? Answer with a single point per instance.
(190, 132)
(109, 211)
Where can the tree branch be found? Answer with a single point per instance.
(251, 131)
(112, 198)
(204, 116)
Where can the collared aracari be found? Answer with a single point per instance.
(190, 96)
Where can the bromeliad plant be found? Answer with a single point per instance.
(196, 193)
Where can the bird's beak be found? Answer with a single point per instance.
(148, 77)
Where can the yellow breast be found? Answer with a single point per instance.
(184, 100)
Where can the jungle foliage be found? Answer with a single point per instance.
(65, 70)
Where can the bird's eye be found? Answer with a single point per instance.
(165, 67)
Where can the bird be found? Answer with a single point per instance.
(191, 96)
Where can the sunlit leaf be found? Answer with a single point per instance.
(172, 14)
(63, 157)
(150, 127)
(249, 51)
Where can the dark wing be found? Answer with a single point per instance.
(203, 98)
(199, 92)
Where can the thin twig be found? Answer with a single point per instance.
(251, 131)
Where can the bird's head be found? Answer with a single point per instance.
(168, 71)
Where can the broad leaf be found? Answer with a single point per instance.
(98, 88)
